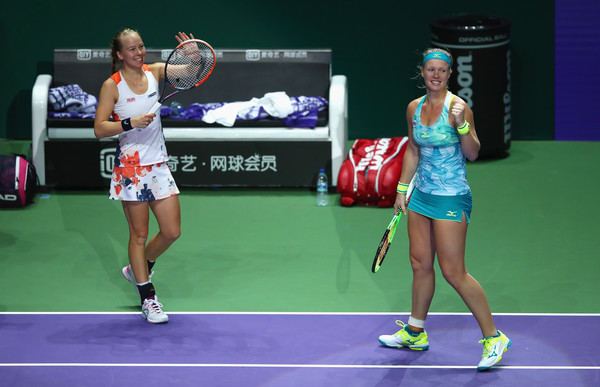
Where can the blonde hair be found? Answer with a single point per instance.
(116, 45)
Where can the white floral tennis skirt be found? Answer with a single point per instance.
(142, 184)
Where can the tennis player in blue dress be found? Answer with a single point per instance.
(441, 137)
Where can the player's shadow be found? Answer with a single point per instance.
(360, 230)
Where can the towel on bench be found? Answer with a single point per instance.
(293, 111)
(71, 99)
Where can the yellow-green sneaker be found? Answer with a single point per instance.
(493, 348)
(404, 339)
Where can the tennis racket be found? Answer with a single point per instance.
(188, 65)
(388, 235)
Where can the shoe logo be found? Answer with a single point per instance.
(492, 354)
(451, 213)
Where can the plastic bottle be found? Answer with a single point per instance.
(322, 187)
(176, 108)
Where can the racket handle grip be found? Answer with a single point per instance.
(155, 107)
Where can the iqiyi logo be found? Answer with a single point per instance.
(465, 78)
(252, 55)
(107, 162)
(84, 54)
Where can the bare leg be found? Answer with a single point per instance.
(137, 215)
(168, 215)
(422, 258)
(450, 240)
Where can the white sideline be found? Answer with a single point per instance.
(250, 365)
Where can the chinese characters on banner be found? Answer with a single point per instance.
(225, 163)
(189, 163)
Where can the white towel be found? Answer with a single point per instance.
(276, 104)
(226, 114)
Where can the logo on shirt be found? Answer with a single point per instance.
(152, 94)
(132, 99)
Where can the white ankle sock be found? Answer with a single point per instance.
(416, 322)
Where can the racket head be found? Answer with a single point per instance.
(189, 64)
(386, 241)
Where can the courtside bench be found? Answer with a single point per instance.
(261, 153)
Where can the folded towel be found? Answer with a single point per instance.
(71, 99)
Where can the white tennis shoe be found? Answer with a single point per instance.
(152, 311)
(493, 348)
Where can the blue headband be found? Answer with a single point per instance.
(437, 55)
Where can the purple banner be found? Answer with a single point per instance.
(577, 53)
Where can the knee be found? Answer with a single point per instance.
(171, 234)
(455, 277)
(139, 237)
(420, 264)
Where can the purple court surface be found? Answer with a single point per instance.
(289, 349)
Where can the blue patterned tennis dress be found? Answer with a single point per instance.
(441, 187)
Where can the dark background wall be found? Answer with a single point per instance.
(375, 44)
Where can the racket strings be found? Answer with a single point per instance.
(189, 64)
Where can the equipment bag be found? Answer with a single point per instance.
(18, 181)
(370, 173)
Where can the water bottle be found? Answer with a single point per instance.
(176, 108)
(322, 188)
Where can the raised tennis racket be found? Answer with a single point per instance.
(388, 235)
(188, 65)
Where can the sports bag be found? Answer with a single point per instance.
(18, 181)
(370, 173)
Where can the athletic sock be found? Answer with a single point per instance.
(411, 332)
(493, 337)
(146, 290)
(150, 265)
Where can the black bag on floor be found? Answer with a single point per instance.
(18, 181)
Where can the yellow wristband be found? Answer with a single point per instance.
(402, 188)
(464, 128)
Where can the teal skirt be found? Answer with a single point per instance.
(441, 207)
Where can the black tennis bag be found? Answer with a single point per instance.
(18, 181)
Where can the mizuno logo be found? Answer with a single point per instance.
(451, 213)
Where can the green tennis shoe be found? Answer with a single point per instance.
(404, 339)
(493, 348)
